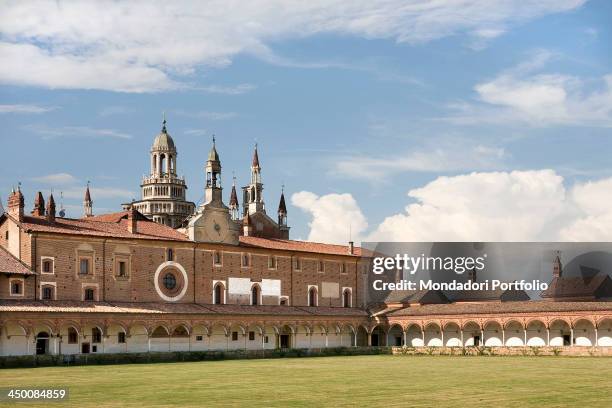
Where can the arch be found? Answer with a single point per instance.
(535, 331)
(510, 321)
(361, 334)
(452, 333)
(219, 293)
(313, 296)
(378, 335)
(471, 322)
(256, 294)
(432, 333)
(160, 331)
(604, 328)
(471, 332)
(141, 324)
(6, 326)
(493, 333)
(584, 332)
(559, 332)
(162, 163)
(181, 330)
(514, 333)
(395, 335)
(347, 297)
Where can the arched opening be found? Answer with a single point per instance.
(255, 295)
(433, 335)
(162, 163)
(604, 331)
(312, 296)
(362, 337)
(285, 335)
(492, 334)
(218, 294)
(452, 334)
(414, 336)
(180, 331)
(42, 343)
(472, 335)
(160, 331)
(378, 337)
(584, 333)
(560, 333)
(536, 333)
(514, 334)
(395, 337)
(346, 298)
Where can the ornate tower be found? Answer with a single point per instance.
(87, 203)
(212, 221)
(233, 204)
(282, 216)
(163, 193)
(253, 193)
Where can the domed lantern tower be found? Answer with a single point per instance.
(163, 193)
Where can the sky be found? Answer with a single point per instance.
(384, 120)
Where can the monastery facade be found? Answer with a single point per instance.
(167, 275)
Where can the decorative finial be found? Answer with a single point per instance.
(88, 183)
(214, 139)
(19, 186)
(283, 188)
(164, 122)
(233, 178)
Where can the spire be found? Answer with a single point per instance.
(16, 203)
(51, 209)
(557, 266)
(233, 204)
(87, 203)
(255, 158)
(282, 207)
(213, 155)
(164, 130)
(39, 205)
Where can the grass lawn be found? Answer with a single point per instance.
(381, 380)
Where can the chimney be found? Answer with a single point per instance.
(16, 204)
(351, 248)
(248, 227)
(132, 220)
(557, 267)
(472, 275)
(51, 209)
(39, 205)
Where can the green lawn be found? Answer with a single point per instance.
(383, 381)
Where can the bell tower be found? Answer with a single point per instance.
(213, 190)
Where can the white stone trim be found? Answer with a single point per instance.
(20, 280)
(156, 281)
(42, 261)
(90, 285)
(316, 287)
(40, 288)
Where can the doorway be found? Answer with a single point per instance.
(284, 341)
(42, 343)
(85, 348)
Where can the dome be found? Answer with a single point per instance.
(163, 141)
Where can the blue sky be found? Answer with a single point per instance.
(352, 107)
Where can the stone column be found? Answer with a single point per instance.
(369, 339)
(548, 336)
(596, 338)
(423, 336)
(405, 338)
(462, 343)
(482, 337)
(442, 336)
(571, 336)
(525, 335)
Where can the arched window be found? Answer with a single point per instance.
(96, 335)
(346, 298)
(255, 295)
(47, 266)
(162, 163)
(312, 296)
(218, 294)
(73, 336)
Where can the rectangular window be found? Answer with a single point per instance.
(298, 264)
(169, 255)
(245, 260)
(235, 336)
(321, 266)
(16, 288)
(121, 269)
(271, 262)
(251, 335)
(84, 266)
(47, 293)
(47, 266)
(121, 337)
(265, 339)
(217, 257)
(96, 335)
(199, 338)
(89, 294)
(72, 336)
(343, 268)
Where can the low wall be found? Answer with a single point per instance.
(503, 351)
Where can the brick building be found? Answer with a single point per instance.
(121, 282)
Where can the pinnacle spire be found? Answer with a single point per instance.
(255, 158)
(164, 130)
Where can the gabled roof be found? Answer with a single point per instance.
(579, 286)
(10, 264)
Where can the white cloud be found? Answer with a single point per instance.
(452, 157)
(84, 132)
(335, 217)
(526, 96)
(56, 179)
(25, 109)
(493, 206)
(148, 46)
(206, 114)
(227, 90)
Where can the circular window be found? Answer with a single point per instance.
(170, 281)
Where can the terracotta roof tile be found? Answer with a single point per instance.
(10, 264)
(109, 225)
(501, 307)
(164, 308)
(299, 246)
(575, 286)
